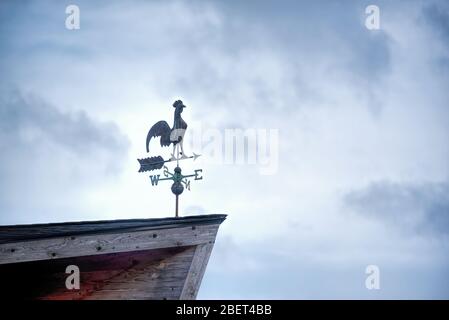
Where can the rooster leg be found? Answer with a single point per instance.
(173, 154)
(182, 150)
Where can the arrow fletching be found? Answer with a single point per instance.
(151, 163)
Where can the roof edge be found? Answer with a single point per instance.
(26, 232)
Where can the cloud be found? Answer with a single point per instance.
(416, 207)
(259, 58)
(437, 16)
(195, 210)
(276, 268)
(352, 105)
(49, 156)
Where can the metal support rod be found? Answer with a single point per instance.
(176, 212)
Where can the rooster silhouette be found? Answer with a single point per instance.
(169, 135)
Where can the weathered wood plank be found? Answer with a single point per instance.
(165, 281)
(17, 233)
(56, 248)
(46, 279)
(196, 271)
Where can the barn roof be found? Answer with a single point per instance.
(15, 233)
(162, 258)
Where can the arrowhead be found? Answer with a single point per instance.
(195, 156)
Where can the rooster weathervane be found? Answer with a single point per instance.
(169, 136)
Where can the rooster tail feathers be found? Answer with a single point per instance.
(159, 129)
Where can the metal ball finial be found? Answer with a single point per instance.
(177, 188)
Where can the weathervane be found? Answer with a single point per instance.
(169, 136)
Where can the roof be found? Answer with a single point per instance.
(163, 258)
(15, 233)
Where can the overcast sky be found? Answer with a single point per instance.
(363, 120)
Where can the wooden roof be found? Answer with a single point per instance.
(162, 258)
(14, 233)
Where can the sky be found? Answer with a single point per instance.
(362, 174)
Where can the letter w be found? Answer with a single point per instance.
(154, 180)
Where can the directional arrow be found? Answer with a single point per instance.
(179, 159)
(154, 163)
